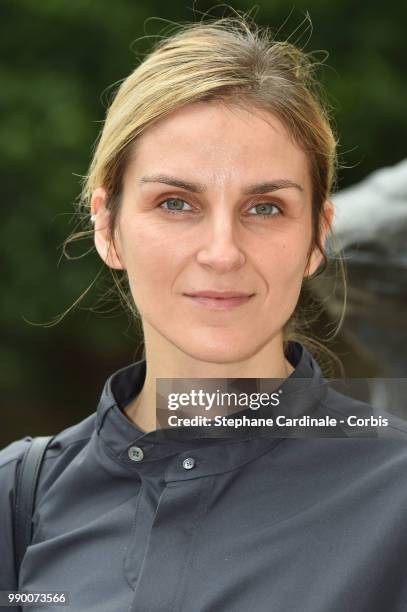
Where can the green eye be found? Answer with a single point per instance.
(174, 205)
(265, 209)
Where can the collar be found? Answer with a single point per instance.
(303, 389)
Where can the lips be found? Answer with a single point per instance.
(219, 295)
(219, 300)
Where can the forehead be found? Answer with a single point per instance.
(220, 143)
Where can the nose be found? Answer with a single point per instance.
(220, 248)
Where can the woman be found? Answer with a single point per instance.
(210, 188)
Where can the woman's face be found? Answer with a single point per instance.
(215, 199)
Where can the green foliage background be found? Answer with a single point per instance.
(59, 59)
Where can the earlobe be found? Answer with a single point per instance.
(314, 262)
(316, 256)
(103, 240)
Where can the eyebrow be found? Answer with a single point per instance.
(255, 189)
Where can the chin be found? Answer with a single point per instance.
(219, 352)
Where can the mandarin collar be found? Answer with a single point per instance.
(119, 433)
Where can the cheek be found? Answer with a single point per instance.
(151, 255)
(283, 278)
(286, 261)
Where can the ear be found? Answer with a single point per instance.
(316, 257)
(103, 240)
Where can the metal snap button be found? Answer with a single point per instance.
(188, 463)
(135, 453)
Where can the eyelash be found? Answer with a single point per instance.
(176, 212)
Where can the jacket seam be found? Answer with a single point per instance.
(19, 459)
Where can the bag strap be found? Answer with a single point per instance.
(25, 495)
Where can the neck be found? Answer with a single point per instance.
(164, 360)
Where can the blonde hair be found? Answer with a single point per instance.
(231, 60)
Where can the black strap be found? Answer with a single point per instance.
(25, 495)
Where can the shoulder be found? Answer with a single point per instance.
(13, 453)
(359, 417)
(61, 450)
(77, 434)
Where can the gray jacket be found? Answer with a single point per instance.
(304, 524)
